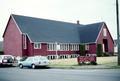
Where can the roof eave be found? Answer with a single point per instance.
(99, 32)
(6, 26)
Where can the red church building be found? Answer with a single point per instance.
(29, 36)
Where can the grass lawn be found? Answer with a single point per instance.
(103, 62)
(107, 60)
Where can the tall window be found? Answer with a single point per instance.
(105, 32)
(75, 47)
(24, 41)
(37, 45)
(51, 46)
(64, 47)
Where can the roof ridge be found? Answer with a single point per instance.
(46, 19)
(96, 23)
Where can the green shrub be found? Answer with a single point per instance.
(1, 52)
(82, 50)
(99, 50)
(105, 54)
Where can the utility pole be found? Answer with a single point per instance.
(118, 35)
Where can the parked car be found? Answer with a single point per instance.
(33, 62)
(7, 60)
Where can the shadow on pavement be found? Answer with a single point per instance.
(6, 66)
(42, 67)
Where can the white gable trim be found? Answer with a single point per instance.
(16, 24)
(99, 33)
(20, 30)
(29, 38)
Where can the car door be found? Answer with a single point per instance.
(28, 61)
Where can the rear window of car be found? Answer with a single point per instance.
(29, 59)
(23, 59)
(7, 57)
(43, 58)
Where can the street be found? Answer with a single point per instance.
(26, 74)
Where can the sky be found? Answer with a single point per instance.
(86, 11)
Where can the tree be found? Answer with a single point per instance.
(99, 50)
(82, 50)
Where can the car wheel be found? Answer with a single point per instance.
(21, 66)
(33, 66)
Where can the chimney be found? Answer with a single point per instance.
(78, 22)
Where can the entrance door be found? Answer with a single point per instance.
(105, 43)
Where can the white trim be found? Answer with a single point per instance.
(25, 41)
(99, 32)
(75, 47)
(87, 47)
(20, 30)
(64, 46)
(29, 38)
(51, 46)
(16, 24)
(38, 45)
(103, 48)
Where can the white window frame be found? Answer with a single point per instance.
(87, 47)
(75, 47)
(72, 47)
(61, 47)
(25, 41)
(104, 32)
(37, 45)
(51, 46)
(64, 47)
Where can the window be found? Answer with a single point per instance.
(24, 41)
(86, 47)
(75, 47)
(64, 47)
(51, 46)
(37, 45)
(104, 32)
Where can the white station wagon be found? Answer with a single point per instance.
(33, 62)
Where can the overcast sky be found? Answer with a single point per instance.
(86, 11)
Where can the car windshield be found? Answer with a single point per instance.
(23, 59)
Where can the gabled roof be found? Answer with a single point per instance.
(44, 30)
(90, 32)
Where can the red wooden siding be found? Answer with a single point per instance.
(109, 39)
(92, 48)
(43, 51)
(29, 47)
(30, 51)
(12, 39)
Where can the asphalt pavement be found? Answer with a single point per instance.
(43, 74)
